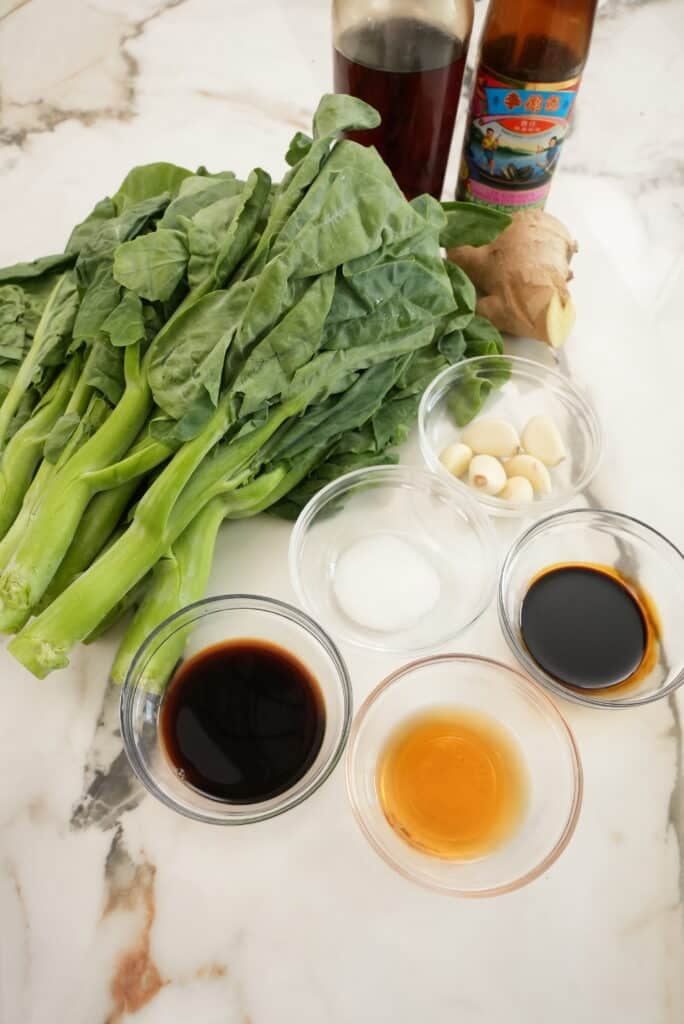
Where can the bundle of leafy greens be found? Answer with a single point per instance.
(206, 349)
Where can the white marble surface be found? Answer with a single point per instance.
(114, 910)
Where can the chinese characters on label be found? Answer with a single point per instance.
(513, 140)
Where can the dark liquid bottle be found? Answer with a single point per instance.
(410, 68)
(531, 59)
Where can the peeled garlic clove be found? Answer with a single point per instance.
(456, 458)
(542, 439)
(518, 488)
(491, 436)
(486, 474)
(532, 469)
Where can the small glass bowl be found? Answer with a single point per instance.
(444, 527)
(548, 748)
(217, 619)
(531, 390)
(635, 550)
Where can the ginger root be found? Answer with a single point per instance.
(522, 277)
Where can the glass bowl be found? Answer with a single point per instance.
(635, 550)
(421, 518)
(548, 748)
(529, 390)
(212, 621)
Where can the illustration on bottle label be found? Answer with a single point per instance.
(513, 140)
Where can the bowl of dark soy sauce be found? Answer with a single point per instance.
(590, 603)
(236, 709)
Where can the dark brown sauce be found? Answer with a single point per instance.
(539, 59)
(411, 72)
(538, 40)
(242, 721)
(589, 627)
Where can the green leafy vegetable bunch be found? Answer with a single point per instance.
(206, 349)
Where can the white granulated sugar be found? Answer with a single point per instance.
(385, 584)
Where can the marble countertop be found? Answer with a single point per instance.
(112, 909)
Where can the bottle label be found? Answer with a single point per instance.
(513, 140)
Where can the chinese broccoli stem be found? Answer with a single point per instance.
(45, 642)
(101, 518)
(24, 451)
(49, 534)
(181, 577)
(77, 405)
(130, 600)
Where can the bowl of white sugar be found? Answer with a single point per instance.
(393, 559)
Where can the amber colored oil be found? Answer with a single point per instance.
(453, 783)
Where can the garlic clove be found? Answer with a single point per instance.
(532, 469)
(542, 439)
(518, 488)
(456, 458)
(491, 436)
(486, 474)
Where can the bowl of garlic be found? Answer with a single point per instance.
(514, 433)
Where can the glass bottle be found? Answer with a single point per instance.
(531, 60)
(406, 58)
